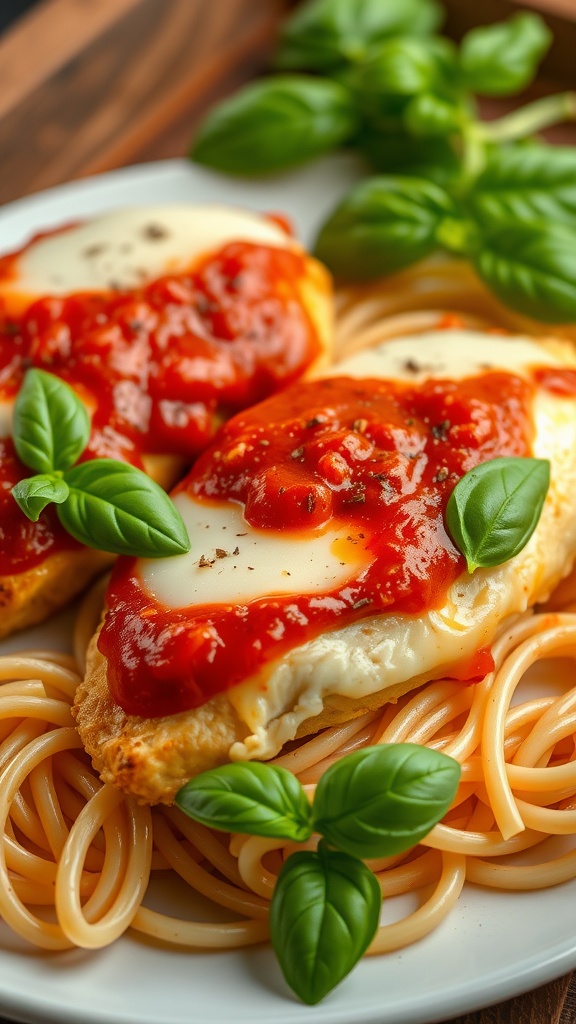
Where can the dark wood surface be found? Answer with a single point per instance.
(89, 85)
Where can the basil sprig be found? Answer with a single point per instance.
(326, 903)
(494, 509)
(103, 503)
(406, 98)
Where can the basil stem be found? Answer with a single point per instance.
(494, 509)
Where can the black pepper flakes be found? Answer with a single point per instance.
(205, 562)
(154, 232)
(440, 430)
(310, 503)
(411, 366)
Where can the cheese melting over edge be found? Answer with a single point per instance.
(381, 651)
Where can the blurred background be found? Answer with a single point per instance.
(89, 85)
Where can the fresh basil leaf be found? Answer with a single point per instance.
(494, 509)
(398, 153)
(531, 268)
(114, 507)
(384, 224)
(323, 35)
(51, 425)
(526, 183)
(33, 494)
(249, 797)
(275, 123)
(384, 799)
(428, 115)
(324, 914)
(497, 60)
(401, 67)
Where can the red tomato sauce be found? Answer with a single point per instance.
(378, 460)
(160, 365)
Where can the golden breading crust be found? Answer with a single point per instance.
(29, 597)
(151, 758)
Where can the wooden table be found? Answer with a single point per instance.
(90, 85)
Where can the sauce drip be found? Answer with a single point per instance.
(378, 460)
(159, 366)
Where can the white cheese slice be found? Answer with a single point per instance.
(450, 354)
(130, 247)
(230, 559)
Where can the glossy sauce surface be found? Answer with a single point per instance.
(375, 459)
(158, 366)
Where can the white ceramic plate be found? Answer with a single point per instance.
(493, 946)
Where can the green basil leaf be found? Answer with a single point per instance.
(497, 60)
(323, 35)
(33, 494)
(275, 123)
(401, 67)
(114, 507)
(249, 797)
(324, 914)
(51, 424)
(494, 509)
(526, 183)
(384, 224)
(531, 267)
(384, 799)
(398, 153)
(428, 115)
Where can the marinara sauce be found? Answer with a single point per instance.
(377, 460)
(159, 366)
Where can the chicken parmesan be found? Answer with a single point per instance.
(165, 321)
(322, 581)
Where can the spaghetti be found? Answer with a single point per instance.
(83, 849)
(77, 855)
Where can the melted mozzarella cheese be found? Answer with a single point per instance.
(130, 247)
(229, 559)
(381, 651)
(448, 353)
